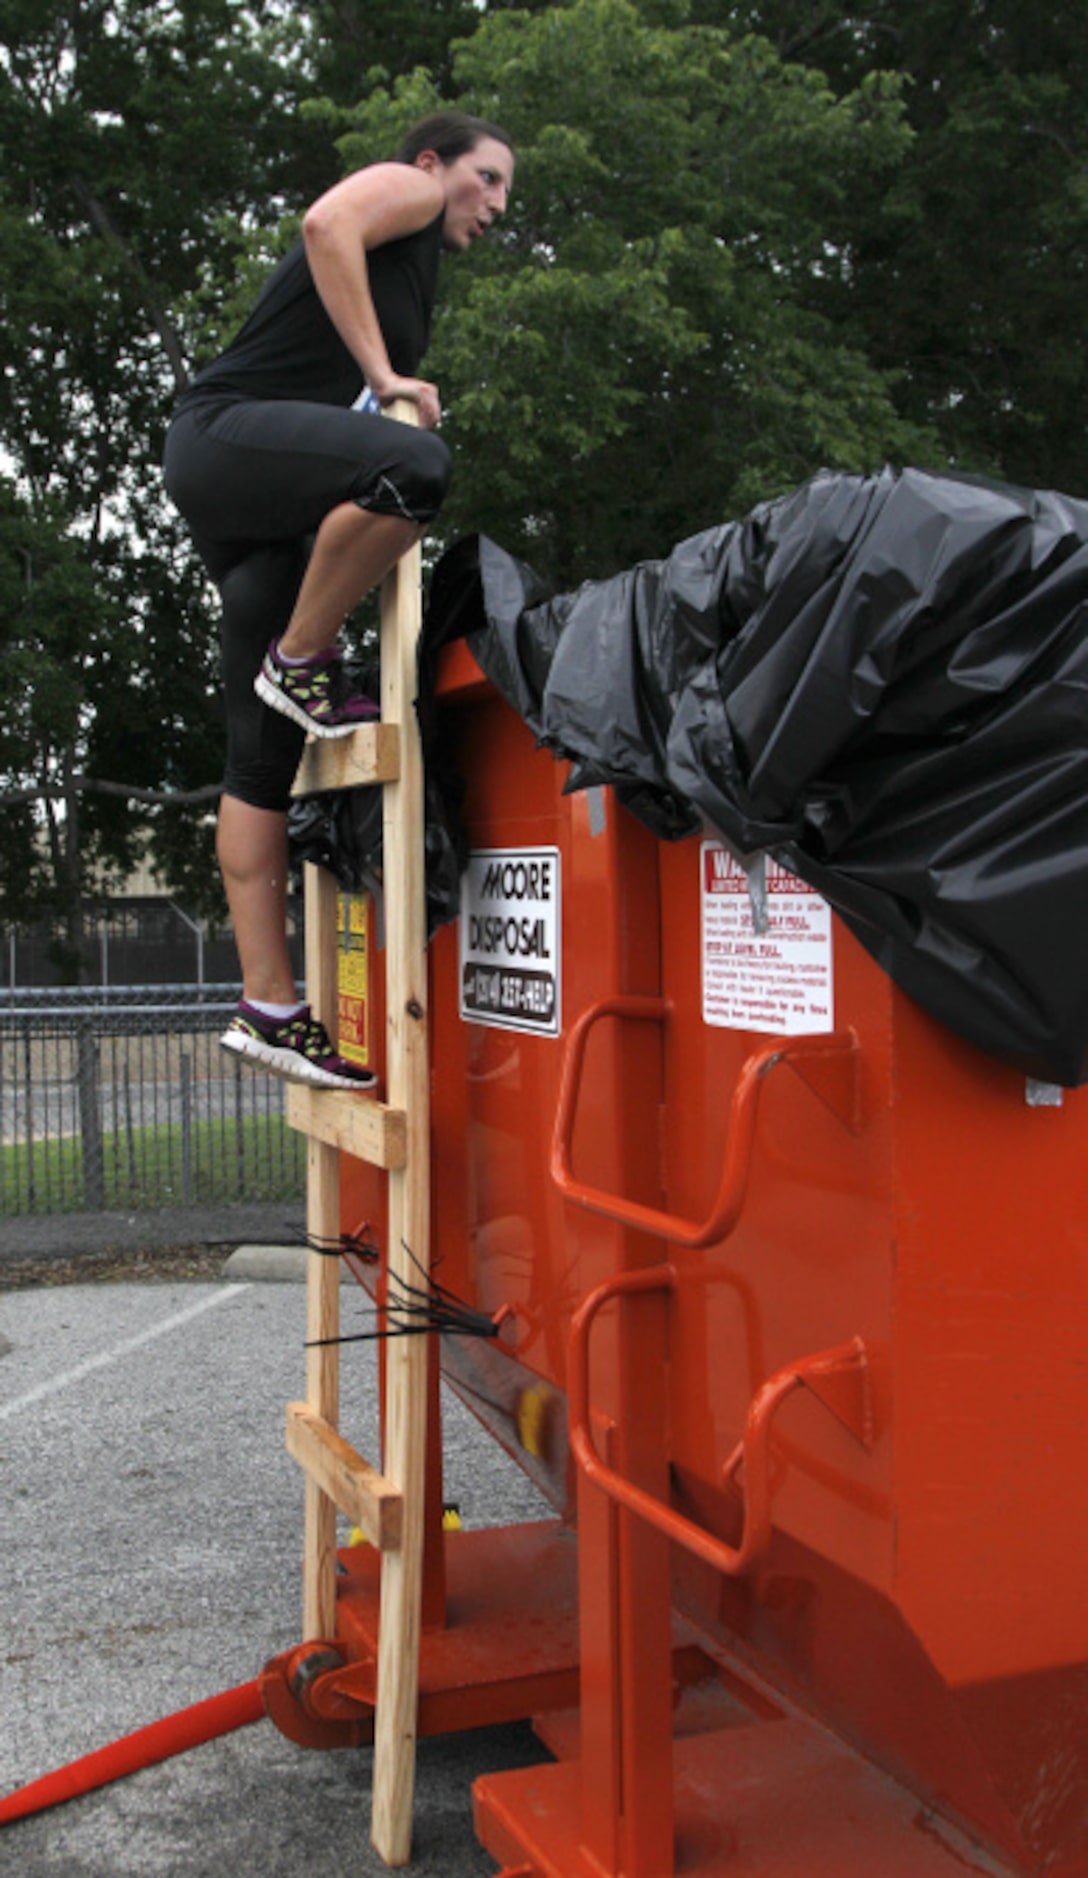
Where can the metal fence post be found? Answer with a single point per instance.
(186, 1129)
(30, 1181)
(90, 1115)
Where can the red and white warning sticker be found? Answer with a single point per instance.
(778, 981)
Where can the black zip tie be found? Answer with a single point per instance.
(361, 1247)
(451, 1323)
(416, 1312)
(347, 1242)
(446, 1310)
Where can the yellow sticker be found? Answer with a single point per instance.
(353, 976)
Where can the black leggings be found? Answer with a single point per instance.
(254, 481)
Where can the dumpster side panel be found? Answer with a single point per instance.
(805, 1268)
(926, 1593)
(992, 1228)
(503, 1235)
(992, 1388)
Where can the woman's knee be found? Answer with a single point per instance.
(262, 783)
(414, 482)
(435, 470)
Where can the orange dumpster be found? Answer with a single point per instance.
(793, 1296)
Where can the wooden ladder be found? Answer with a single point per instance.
(387, 1505)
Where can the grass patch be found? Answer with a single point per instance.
(209, 1163)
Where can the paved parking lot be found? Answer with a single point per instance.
(150, 1558)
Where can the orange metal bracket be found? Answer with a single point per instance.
(829, 1064)
(839, 1377)
(292, 1686)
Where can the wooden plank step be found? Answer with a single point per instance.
(370, 755)
(361, 1493)
(356, 1124)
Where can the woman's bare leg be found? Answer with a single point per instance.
(252, 849)
(354, 549)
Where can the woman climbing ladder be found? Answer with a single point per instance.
(299, 504)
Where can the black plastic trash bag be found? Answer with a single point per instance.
(342, 831)
(883, 681)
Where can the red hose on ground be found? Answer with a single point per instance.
(204, 1721)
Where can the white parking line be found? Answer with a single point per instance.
(103, 1361)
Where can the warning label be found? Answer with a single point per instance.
(509, 946)
(353, 977)
(778, 981)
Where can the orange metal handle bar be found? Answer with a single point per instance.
(740, 1139)
(817, 1372)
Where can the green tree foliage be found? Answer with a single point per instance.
(348, 40)
(969, 293)
(644, 348)
(136, 139)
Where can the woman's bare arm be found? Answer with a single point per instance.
(382, 203)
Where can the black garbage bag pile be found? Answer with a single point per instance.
(342, 830)
(881, 680)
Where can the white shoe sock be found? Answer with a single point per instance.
(279, 1013)
(310, 659)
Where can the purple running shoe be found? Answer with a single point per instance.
(296, 1048)
(315, 695)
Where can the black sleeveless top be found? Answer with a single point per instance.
(289, 347)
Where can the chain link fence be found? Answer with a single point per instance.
(118, 1101)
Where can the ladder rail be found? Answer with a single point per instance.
(408, 1250)
(322, 1273)
(394, 1135)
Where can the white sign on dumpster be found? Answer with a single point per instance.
(510, 938)
(778, 981)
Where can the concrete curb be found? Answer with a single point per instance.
(66, 1235)
(271, 1264)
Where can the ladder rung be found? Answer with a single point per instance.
(361, 1493)
(356, 1124)
(370, 755)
